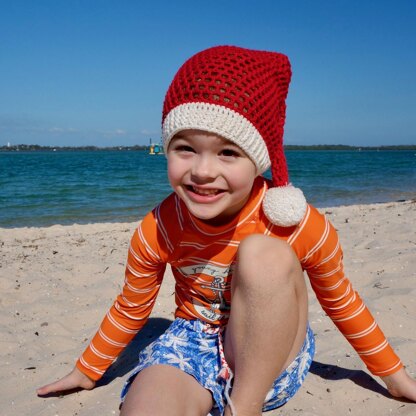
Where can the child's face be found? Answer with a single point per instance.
(211, 175)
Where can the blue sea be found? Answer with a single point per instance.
(66, 187)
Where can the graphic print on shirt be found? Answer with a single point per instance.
(213, 280)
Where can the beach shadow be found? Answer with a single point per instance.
(359, 377)
(127, 360)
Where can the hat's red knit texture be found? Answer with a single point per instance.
(253, 83)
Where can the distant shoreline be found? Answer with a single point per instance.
(38, 148)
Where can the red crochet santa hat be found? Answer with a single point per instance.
(240, 95)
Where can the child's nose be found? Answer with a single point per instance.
(204, 167)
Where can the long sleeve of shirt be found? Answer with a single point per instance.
(130, 311)
(317, 246)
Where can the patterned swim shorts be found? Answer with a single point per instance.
(194, 348)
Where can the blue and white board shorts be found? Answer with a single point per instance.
(195, 348)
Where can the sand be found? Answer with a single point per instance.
(57, 283)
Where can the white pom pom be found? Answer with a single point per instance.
(284, 205)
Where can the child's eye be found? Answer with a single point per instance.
(229, 153)
(184, 148)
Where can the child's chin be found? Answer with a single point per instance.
(203, 216)
(217, 220)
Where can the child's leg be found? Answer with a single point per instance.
(162, 390)
(268, 319)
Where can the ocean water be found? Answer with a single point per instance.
(46, 188)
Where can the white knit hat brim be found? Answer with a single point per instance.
(219, 120)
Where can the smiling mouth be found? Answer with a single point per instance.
(203, 192)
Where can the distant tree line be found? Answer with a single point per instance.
(38, 148)
(345, 147)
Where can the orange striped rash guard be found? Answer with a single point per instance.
(202, 258)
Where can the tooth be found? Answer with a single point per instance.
(205, 192)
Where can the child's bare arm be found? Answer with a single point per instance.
(400, 384)
(74, 380)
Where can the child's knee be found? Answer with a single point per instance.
(262, 249)
(273, 258)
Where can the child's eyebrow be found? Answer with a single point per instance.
(231, 144)
(178, 136)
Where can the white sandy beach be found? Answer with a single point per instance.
(58, 282)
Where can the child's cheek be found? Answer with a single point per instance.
(173, 170)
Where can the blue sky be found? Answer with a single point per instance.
(95, 72)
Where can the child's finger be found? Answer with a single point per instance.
(73, 380)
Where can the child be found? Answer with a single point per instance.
(237, 244)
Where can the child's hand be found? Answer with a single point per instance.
(74, 380)
(400, 384)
